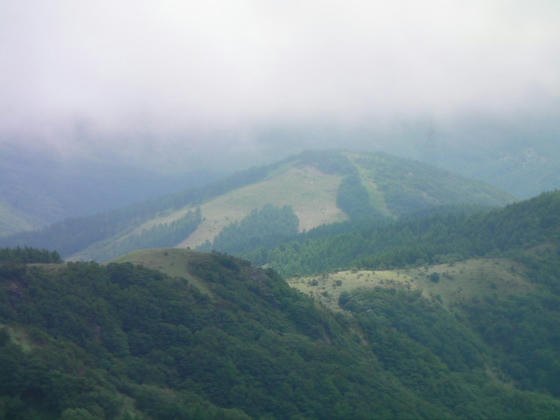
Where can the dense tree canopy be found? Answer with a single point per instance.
(123, 342)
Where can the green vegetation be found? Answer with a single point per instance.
(437, 314)
(501, 315)
(28, 255)
(208, 335)
(408, 185)
(322, 188)
(524, 334)
(437, 353)
(310, 193)
(438, 238)
(73, 235)
(156, 236)
(471, 280)
(354, 199)
(126, 342)
(266, 227)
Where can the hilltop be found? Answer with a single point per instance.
(266, 205)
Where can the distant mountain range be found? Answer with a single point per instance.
(40, 188)
(300, 193)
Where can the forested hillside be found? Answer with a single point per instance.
(81, 340)
(319, 188)
(449, 235)
(508, 301)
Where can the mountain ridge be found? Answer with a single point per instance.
(321, 188)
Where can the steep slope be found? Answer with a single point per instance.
(449, 284)
(508, 301)
(310, 193)
(45, 188)
(438, 238)
(318, 187)
(503, 304)
(122, 341)
(12, 221)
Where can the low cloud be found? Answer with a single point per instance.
(146, 75)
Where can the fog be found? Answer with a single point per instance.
(169, 82)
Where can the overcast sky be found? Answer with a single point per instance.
(152, 72)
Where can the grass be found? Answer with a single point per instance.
(174, 262)
(458, 282)
(311, 193)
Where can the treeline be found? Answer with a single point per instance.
(75, 234)
(266, 227)
(161, 235)
(401, 186)
(28, 255)
(353, 198)
(438, 238)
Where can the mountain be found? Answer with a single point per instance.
(42, 188)
(447, 235)
(519, 155)
(497, 273)
(210, 336)
(267, 205)
(12, 221)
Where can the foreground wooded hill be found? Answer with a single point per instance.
(294, 195)
(226, 340)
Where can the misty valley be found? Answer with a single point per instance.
(326, 285)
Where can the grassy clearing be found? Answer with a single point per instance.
(456, 283)
(311, 193)
(172, 261)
